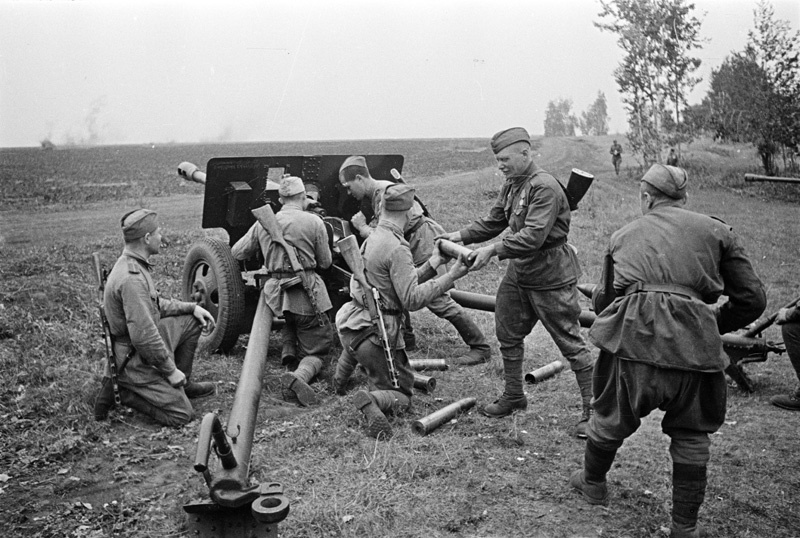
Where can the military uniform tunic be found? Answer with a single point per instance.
(306, 232)
(389, 267)
(539, 284)
(660, 337)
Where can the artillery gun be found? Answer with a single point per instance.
(233, 187)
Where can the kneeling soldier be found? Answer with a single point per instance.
(154, 339)
(305, 313)
(389, 269)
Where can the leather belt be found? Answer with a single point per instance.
(285, 274)
(554, 244)
(677, 289)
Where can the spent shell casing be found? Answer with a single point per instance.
(428, 423)
(423, 382)
(427, 364)
(545, 372)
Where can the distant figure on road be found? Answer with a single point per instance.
(616, 155)
(658, 329)
(672, 158)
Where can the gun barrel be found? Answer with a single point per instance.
(771, 179)
(427, 424)
(191, 172)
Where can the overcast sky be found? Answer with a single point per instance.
(111, 72)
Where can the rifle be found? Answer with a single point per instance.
(267, 219)
(102, 275)
(348, 247)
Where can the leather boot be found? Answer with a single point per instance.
(295, 384)
(513, 397)
(345, 367)
(377, 424)
(289, 348)
(134, 401)
(787, 401)
(591, 480)
(104, 401)
(584, 378)
(479, 351)
(688, 493)
(199, 389)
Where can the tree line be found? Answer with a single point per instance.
(753, 97)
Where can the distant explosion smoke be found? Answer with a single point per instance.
(91, 134)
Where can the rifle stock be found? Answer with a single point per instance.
(107, 340)
(348, 247)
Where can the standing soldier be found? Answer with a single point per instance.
(672, 158)
(616, 156)
(419, 233)
(540, 283)
(306, 316)
(659, 335)
(154, 339)
(389, 268)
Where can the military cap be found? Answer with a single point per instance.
(354, 160)
(138, 223)
(398, 197)
(503, 139)
(291, 185)
(670, 180)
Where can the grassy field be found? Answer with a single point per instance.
(61, 474)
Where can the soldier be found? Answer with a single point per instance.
(789, 320)
(672, 158)
(419, 232)
(389, 267)
(659, 335)
(305, 316)
(616, 156)
(540, 282)
(154, 338)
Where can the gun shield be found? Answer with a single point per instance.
(427, 424)
(545, 372)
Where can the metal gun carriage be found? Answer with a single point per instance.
(233, 188)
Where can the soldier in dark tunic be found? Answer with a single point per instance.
(388, 267)
(658, 329)
(540, 282)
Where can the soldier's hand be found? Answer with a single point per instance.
(781, 316)
(480, 257)
(455, 237)
(359, 222)
(205, 318)
(458, 269)
(437, 258)
(176, 378)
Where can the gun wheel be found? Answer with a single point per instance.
(211, 278)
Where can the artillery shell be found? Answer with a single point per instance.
(427, 424)
(545, 372)
(423, 382)
(427, 364)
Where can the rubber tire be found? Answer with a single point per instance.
(209, 260)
